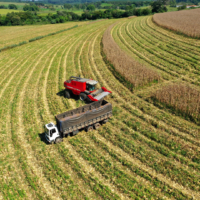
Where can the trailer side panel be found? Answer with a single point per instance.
(81, 120)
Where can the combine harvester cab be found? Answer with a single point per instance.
(85, 89)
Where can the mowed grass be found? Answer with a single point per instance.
(17, 34)
(5, 11)
(143, 152)
(106, 4)
(45, 12)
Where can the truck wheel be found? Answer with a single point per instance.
(89, 128)
(97, 126)
(67, 94)
(83, 96)
(58, 140)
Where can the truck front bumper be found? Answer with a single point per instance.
(48, 140)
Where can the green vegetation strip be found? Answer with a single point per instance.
(97, 186)
(166, 189)
(169, 147)
(162, 166)
(165, 54)
(124, 182)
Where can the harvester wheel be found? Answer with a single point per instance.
(88, 100)
(89, 128)
(83, 96)
(58, 140)
(97, 126)
(67, 94)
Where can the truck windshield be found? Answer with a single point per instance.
(52, 131)
(46, 131)
(90, 87)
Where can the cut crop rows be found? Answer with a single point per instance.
(144, 152)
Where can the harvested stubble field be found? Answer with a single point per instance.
(184, 21)
(143, 152)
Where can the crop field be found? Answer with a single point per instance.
(145, 151)
(19, 5)
(185, 21)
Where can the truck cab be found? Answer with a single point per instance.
(51, 132)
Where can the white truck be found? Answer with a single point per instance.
(86, 117)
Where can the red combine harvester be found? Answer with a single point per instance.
(84, 88)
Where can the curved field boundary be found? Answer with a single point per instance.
(165, 64)
(134, 72)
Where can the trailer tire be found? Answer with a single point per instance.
(97, 126)
(74, 133)
(83, 96)
(67, 94)
(58, 140)
(89, 128)
(104, 121)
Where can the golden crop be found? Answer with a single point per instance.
(181, 97)
(185, 21)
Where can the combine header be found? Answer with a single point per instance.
(84, 88)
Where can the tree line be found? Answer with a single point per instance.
(31, 17)
(27, 18)
(124, 5)
(10, 6)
